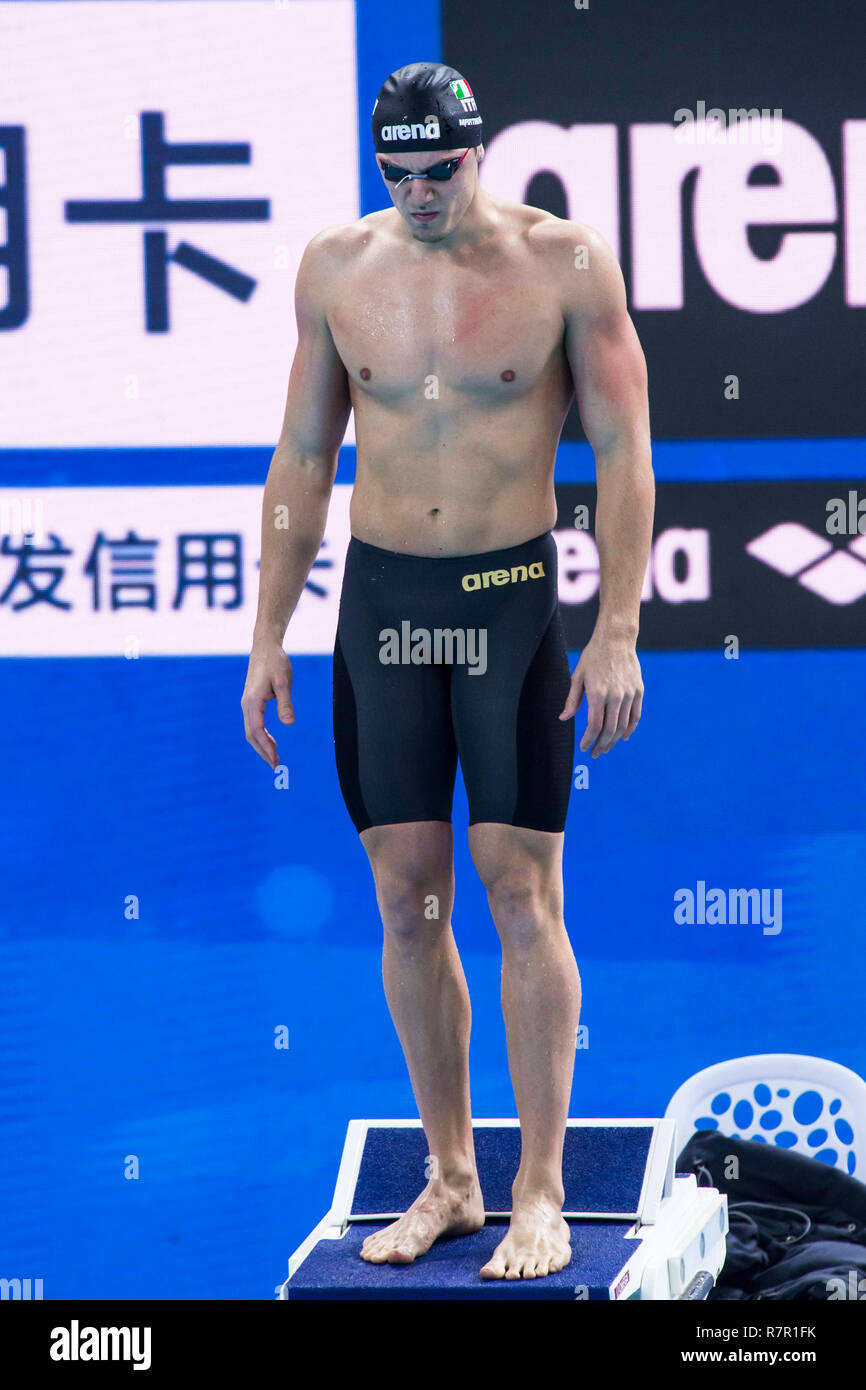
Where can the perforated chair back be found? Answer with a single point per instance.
(797, 1102)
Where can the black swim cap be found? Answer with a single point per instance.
(425, 106)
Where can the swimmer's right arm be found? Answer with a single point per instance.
(297, 493)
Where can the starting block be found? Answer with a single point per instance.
(638, 1229)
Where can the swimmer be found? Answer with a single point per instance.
(459, 326)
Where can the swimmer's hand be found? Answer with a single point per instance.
(609, 673)
(269, 677)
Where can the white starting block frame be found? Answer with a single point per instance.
(679, 1228)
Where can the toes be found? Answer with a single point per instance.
(385, 1252)
(400, 1256)
(377, 1248)
(374, 1256)
(510, 1265)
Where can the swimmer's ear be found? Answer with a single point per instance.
(479, 152)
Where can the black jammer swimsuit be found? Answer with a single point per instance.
(444, 656)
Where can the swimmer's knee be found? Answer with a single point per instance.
(413, 903)
(414, 881)
(517, 907)
(525, 904)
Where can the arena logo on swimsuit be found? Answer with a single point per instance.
(488, 577)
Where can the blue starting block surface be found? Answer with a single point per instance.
(637, 1229)
(603, 1169)
(450, 1268)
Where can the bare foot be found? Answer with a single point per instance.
(441, 1210)
(537, 1243)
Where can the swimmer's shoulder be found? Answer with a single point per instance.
(560, 246)
(345, 241)
(332, 254)
(549, 236)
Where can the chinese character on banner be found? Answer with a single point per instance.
(313, 586)
(125, 568)
(207, 562)
(157, 154)
(27, 572)
(13, 212)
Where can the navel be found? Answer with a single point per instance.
(365, 373)
(508, 375)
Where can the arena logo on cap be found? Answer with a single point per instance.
(416, 131)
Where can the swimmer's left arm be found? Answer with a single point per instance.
(610, 382)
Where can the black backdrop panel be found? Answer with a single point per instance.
(802, 371)
(772, 564)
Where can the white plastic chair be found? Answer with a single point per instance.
(806, 1103)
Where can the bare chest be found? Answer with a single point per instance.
(476, 333)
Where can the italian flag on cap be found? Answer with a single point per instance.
(461, 89)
